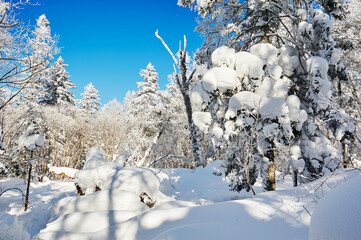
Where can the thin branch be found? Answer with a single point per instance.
(166, 47)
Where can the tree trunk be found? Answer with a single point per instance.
(142, 162)
(192, 129)
(270, 183)
(344, 153)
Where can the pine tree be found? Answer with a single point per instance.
(58, 85)
(43, 47)
(90, 102)
(145, 111)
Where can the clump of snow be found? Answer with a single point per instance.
(94, 158)
(337, 215)
(91, 179)
(220, 78)
(265, 89)
(295, 114)
(288, 60)
(250, 65)
(275, 71)
(202, 120)
(280, 88)
(202, 3)
(273, 107)
(31, 139)
(199, 96)
(318, 68)
(95, 172)
(266, 51)
(242, 100)
(224, 56)
(297, 162)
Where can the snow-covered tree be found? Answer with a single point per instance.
(24, 54)
(58, 85)
(303, 55)
(90, 101)
(145, 111)
(43, 47)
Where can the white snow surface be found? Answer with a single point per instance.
(337, 216)
(191, 204)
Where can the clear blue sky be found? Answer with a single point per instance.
(108, 42)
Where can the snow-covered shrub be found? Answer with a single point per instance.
(99, 174)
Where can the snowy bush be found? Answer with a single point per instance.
(98, 174)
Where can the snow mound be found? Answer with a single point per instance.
(337, 216)
(105, 200)
(91, 179)
(136, 180)
(94, 158)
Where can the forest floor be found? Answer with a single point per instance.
(190, 204)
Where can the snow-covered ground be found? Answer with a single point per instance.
(189, 204)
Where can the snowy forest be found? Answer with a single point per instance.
(256, 135)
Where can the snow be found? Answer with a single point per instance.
(295, 114)
(31, 141)
(273, 107)
(199, 96)
(221, 78)
(242, 100)
(224, 56)
(288, 60)
(191, 204)
(266, 51)
(249, 65)
(337, 216)
(202, 120)
(265, 89)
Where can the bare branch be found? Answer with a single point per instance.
(166, 47)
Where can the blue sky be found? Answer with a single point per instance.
(108, 42)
